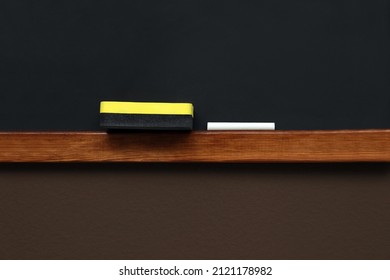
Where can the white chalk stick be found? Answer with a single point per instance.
(240, 126)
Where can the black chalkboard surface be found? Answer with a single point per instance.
(304, 64)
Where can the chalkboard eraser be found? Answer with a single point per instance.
(146, 115)
(240, 126)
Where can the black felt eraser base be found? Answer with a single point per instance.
(146, 122)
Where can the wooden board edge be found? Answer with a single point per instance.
(199, 146)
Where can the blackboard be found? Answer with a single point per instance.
(303, 64)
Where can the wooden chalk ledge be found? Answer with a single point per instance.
(200, 146)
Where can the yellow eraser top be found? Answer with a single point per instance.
(146, 108)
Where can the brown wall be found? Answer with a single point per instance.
(195, 211)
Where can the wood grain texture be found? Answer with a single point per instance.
(264, 146)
